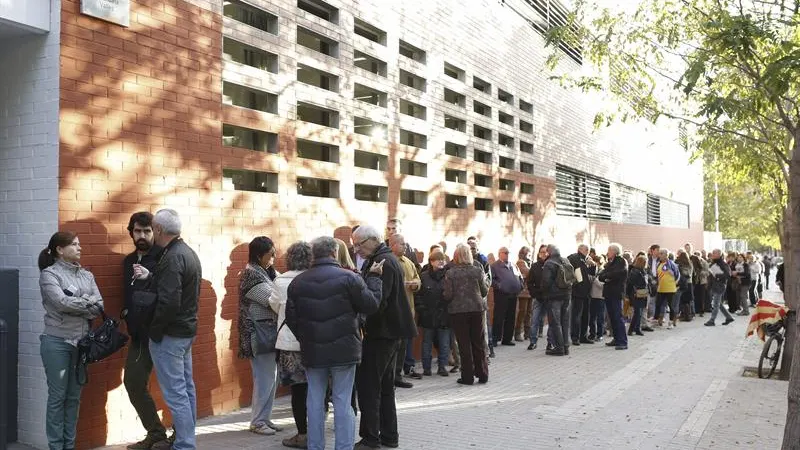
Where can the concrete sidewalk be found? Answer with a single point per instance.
(673, 389)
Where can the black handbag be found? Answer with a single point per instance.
(98, 344)
(140, 313)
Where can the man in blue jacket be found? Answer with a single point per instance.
(507, 284)
(322, 308)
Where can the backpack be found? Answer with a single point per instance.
(565, 277)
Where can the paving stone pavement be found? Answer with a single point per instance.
(673, 389)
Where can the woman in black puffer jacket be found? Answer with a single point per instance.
(432, 314)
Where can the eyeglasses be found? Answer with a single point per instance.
(359, 244)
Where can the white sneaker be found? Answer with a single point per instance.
(669, 326)
(262, 429)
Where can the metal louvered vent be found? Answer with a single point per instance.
(554, 15)
(581, 195)
(653, 210)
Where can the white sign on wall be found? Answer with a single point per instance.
(115, 11)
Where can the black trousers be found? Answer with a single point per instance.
(505, 311)
(700, 292)
(664, 299)
(558, 320)
(299, 411)
(468, 328)
(579, 318)
(375, 384)
(138, 367)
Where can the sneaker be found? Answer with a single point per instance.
(532, 347)
(442, 372)
(427, 372)
(147, 443)
(455, 369)
(491, 352)
(262, 429)
(413, 374)
(296, 441)
(274, 426)
(670, 326)
(519, 338)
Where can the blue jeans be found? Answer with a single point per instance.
(344, 419)
(265, 371)
(409, 361)
(172, 359)
(537, 321)
(716, 306)
(614, 306)
(597, 317)
(63, 391)
(443, 336)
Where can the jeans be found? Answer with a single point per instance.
(597, 317)
(265, 372)
(580, 306)
(505, 311)
(716, 306)
(558, 318)
(744, 300)
(662, 300)
(172, 358)
(375, 383)
(60, 360)
(537, 320)
(636, 320)
(409, 362)
(675, 305)
(614, 306)
(443, 336)
(344, 419)
(138, 367)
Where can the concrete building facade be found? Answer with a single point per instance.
(293, 119)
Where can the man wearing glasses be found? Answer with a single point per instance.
(383, 332)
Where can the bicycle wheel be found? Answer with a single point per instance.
(770, 356)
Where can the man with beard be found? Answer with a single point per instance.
(139, 363)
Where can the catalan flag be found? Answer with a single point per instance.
(767, 313)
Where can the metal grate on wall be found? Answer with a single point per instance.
(674, 214)
(582, 195)
(628, 205)
(653, 210)
(553, 14)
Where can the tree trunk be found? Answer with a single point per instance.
(791, 432)
(791, 332)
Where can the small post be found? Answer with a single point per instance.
(3, 385)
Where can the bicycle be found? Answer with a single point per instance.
(772, 349)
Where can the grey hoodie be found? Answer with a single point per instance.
(66, 316)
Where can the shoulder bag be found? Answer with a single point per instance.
(98, 344)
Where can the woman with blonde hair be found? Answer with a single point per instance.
(465, 286)
(343, 256)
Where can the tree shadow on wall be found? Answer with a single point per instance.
(204, 350)
(104, 376)
(239, 371)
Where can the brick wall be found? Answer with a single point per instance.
(141, 123)
(28, 193)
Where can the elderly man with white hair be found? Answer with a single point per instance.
(176, 281)
(383, 332)
(614, 275)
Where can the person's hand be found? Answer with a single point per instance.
(377, 268)
(140, 272)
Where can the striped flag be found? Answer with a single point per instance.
(767, 313)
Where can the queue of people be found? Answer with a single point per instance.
(342, 332)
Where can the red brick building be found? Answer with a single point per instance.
(296, 118)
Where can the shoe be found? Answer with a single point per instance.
(611, 343)
(701, 314)
(413, 374)
(389, 444)
(461, 381)
(674, 323)
(566, 351)
(509, 343)
(554, 352)
(262, 429)
(709, 324)
(274, 426)
(742, 313)
(401, 383)
(630, 332)
(670, 326)
(455, 369)
(427, 372)
(540, 335)
(164, 444)
(638, 333)
(483, 380)
(621, 347)
(296, 441)
(147, 443)
(442, 372)
(576, 343)
(591, 337)
(362, 445)
(727, 321)
(491, 352)
(532, 347)
(647, 329)
(549, 347)
(519, 338)
(587, 341)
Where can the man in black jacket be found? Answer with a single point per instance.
(581, 295)
(139, 364)
(719, 273)
(382, 334)
(614, 275)
(556, 300)
(322, 308)
(507, 284)
(176, 281)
